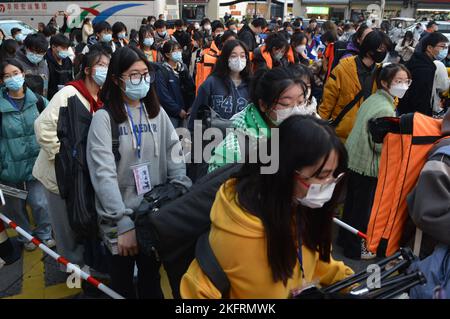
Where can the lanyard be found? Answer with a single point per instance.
(13, 103)
(136, 131)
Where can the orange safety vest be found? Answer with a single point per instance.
(205, 67)
(268, 58)
(403, 155)
(154, 54)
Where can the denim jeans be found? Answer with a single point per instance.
(16, 210)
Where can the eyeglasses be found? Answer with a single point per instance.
(326, 179)
(407, 82)
(136, 78)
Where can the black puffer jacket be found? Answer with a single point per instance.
(418, 97)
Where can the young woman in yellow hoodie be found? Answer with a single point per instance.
(258, 221)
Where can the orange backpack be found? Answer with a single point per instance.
(404, 153)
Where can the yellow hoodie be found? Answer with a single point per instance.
(238, 241)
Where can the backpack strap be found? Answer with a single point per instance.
(40, 104)
(114, 135)
(210, 266)
(346, 109)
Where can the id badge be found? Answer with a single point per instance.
(142, 179)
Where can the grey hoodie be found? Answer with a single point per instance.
(36, 75)
(115, 189)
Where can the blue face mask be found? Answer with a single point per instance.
(121, 35)
(107, 37)
(136, 92)
(100, 75)
(34, 58)
(149, 42)
(442, 55)
(64, 54)
(19, 37)
(177, 57)
(15, 82)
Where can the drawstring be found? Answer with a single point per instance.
(131, 130)
(155, 141)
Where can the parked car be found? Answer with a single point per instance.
(7, 25)
(444, 27)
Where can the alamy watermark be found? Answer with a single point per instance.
(231, 144)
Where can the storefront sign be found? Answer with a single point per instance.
(317, 10)
(22, 7)
(325, 2)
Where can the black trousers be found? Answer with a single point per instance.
(358, 204)
(121, 270)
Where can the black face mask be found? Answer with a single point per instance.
(378, 57)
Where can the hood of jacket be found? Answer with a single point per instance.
(228, 216)
(21, 56)
(6, 106)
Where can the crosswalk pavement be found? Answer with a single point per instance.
(38, 276)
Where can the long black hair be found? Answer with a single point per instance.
(221, 69)
(408, 35)
(91, 58)
(270, 196)
(143, 31)
(121, 61)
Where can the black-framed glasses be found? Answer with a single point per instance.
(136, 78)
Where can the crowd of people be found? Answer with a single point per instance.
(319, 84)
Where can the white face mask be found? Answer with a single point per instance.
(237, 64)
(207, 27)
(278, 56)
(308, 108)
(285, 113)
(300, 49)
(399, 90)
(319, 194)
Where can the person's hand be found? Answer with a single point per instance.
(127, 244)
(183, 114)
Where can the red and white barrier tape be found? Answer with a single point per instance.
(349, 228)
(71, 267)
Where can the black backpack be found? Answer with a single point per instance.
(72, 174)
(340, 49)
(177, 232)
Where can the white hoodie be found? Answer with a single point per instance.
(441, 84)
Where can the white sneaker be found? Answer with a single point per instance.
(30, 246)
(365, 253)
(50, 243)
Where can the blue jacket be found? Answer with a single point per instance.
(173, 90)
(222, 96)
(18, 146)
